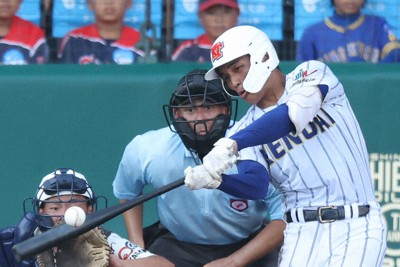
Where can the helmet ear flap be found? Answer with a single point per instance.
(263, 60)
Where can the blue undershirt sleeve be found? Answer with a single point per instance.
(251, 182)
(324, 90)
(269, 127)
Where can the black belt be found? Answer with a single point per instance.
(327, 214)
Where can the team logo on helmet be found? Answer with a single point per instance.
(216, 51)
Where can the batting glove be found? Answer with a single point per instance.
(198, 177)
(221, 157)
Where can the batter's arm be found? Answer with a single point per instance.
(251, 181)
(263, 243)
(301, 107)
(134, 224)
(268, 128)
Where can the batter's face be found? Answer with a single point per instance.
(8, 9)
(348, 7)
(234, 73)
(109, 11)
(218, 19)
(199, 113)
(56, 206)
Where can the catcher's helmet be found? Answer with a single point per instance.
(61, 182)
(239, 41)
(191, 87)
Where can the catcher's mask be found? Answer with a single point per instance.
(193, 87)
(61, 182)
(237, 42)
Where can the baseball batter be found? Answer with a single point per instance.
(321, 168)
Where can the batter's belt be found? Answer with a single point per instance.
(327, 214)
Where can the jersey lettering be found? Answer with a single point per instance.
(278, 149)
(353, 50)
(290, 140)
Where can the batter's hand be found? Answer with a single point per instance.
(221, 157)
(198, 177)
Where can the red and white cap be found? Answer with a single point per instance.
(205, 4)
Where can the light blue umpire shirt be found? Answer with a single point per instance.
(205, 216)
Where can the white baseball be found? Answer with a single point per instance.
(74, 216)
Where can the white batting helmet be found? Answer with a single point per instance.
(245, 40)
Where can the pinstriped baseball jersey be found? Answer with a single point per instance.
(327, 163)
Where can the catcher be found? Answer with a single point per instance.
(98, 247)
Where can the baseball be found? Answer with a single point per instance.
(74, 216)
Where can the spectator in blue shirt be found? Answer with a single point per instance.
(349, 36)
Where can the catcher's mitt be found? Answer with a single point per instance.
(90, 249)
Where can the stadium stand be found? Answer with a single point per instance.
(174, 21)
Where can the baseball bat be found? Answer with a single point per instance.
(51, 238)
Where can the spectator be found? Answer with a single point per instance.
(349, 36)
(58, 191)
(227, 226)
(216, 17)
(21, 42)
(107, 41)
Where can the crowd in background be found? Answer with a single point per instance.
(85, 32)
